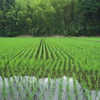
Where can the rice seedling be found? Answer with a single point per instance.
(49, 60)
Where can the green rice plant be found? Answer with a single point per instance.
(40, 52)
(11, 89)
(60, 90)
(44, 52)
(51, 58)
(53, 87)
(48, 51)
(4, 90)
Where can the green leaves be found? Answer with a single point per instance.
(29, 22)
(50, 17)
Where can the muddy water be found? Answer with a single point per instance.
(31, 88)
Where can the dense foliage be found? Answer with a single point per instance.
(49, 17)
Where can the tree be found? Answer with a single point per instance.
(1, 4)
(49, 17)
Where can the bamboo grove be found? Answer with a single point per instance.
(49, 17)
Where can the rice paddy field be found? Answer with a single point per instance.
(66, 68)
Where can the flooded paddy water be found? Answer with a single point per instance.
(31, 88)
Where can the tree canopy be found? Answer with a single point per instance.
(49, 17)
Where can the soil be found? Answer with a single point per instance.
(56, 36)
(25, 36)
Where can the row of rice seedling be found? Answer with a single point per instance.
(49, 59)
(56, 64)
(88, 69)
(16, 60)
(10, 46)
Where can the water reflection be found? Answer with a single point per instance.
(31, 88)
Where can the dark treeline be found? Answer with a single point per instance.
(49, 17)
